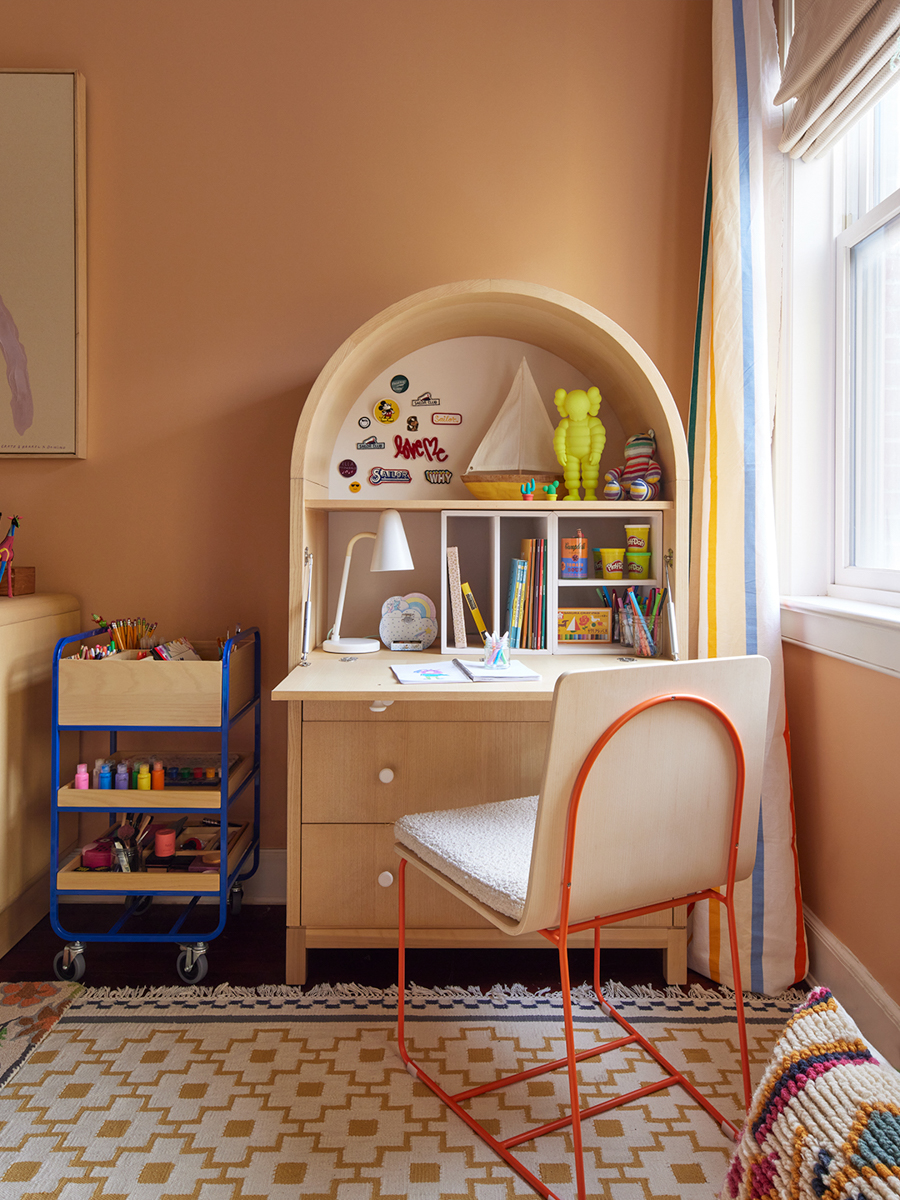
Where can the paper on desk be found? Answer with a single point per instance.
(516, 672)
(432, 672)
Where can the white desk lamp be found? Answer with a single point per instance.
(390, 553)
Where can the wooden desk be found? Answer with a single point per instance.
(367, 750)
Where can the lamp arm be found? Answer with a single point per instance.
(336, 631)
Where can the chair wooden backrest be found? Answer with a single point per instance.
(655, 815)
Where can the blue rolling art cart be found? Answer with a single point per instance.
(129, 693)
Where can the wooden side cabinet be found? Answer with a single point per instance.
(30, 627)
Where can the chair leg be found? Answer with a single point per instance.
(571, 1062)
(728, 901)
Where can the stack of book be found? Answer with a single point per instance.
(526, 609)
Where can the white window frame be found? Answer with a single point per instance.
(858, 625)
(849, 581)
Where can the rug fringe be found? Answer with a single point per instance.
(583, 993)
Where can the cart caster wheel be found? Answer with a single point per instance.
(235, 899)
(73, 971)
(142, 904)
(193, 973)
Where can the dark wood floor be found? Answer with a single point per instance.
(250, 952)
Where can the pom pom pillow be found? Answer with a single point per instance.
(825, 1120)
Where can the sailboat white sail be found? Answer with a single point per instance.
(520, 439)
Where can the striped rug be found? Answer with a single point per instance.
(238, 1094)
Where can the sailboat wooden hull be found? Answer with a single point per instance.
(506, 485)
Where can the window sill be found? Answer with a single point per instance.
(867, 635)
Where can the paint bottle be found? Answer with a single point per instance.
(105, 777)
(82, 779)
(122, 775)
(143, 779)
(158, 776)
(135, 771)
(95, 774)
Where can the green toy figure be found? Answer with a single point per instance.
(579, 440)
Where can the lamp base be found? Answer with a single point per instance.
(351, 645)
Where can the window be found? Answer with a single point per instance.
(866, 556)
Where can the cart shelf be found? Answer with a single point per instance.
(125, 693)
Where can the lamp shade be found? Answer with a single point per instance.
(391, 550)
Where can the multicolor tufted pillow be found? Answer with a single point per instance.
(825, 1120)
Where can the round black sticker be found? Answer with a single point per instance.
(347, 468)
(399, 383)
(364, 422)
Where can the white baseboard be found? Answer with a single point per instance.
(269, 884)
(833, 966)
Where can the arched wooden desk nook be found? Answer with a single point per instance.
(340, 814)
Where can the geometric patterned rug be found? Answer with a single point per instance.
(27, 1012)
(250, 1094)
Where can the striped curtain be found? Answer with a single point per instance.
(734, 585)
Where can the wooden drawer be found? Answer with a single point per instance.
(121, 692)
(444, 711)
(462, 764)
(340, 888)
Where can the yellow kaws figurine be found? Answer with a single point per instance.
(579, 440)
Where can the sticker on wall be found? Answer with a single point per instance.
(446, 418)
(412, 424)
(399, 383)
(355, 486)
(420, 448)
(410, 620)
(386, 411)
(389, 475)
(426, 400)
(364, 422)
(347, 468)
(438, 476)
(370, 443)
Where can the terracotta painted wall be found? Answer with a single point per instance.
(264, 176)
(843, 722)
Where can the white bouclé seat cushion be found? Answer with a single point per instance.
(485, 849)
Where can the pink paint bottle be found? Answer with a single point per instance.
(82, 779)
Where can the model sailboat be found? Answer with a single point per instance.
(517, 448)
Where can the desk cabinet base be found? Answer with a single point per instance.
(671, 939)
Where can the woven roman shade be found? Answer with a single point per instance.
(842, 56)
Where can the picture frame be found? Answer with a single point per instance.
(43, 258)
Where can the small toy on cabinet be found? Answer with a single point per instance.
(527, 490)
(579, 440)
(640, 477)
(7, 554)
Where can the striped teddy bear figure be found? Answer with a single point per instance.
(639, 478)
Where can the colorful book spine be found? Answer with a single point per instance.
(527, 552)
(514, 612)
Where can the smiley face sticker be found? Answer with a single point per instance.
(355, 485)
(386, 411)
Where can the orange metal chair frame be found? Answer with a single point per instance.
(559, 936)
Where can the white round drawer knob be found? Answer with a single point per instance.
(385, 879)
(380, 705)
(385, 774)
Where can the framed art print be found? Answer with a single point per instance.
(42, 265)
